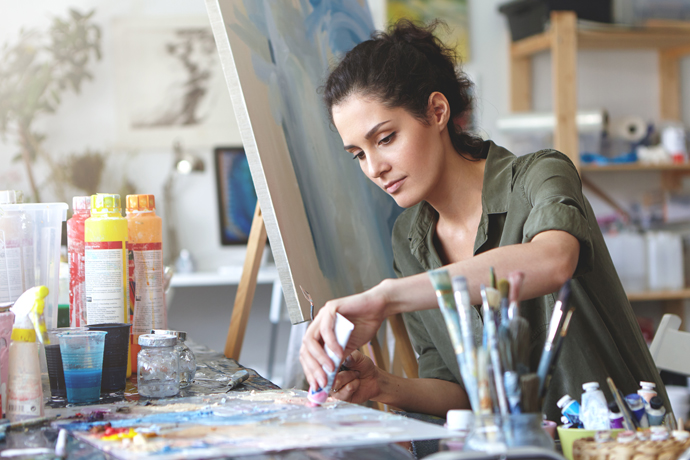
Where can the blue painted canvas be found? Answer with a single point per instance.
(328, 225)
(236, 195)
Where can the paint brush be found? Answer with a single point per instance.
(629, 419)
(492, 278)
(529, 393)
(519, 327)
(492, 345)
(504, 337)
(467, 327)
(554, 324)
(236, 379)
(515, 279)
(61, 444)
(556, 351)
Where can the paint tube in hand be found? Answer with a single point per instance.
(343, 329)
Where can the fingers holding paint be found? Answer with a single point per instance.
(359, 382)
(312, 354)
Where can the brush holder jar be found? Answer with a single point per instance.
(187, 358)
(496, 434)
(158, 366)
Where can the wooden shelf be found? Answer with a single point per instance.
(636, 167)
(659, 295)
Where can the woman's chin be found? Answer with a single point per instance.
(405, 202)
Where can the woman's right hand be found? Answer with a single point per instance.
(359, 383)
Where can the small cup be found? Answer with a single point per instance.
(82, 361)
(115, 355)
(56, 374)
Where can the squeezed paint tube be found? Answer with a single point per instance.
(343, 329)
(236, 379)
(467, 326)
(440, 280)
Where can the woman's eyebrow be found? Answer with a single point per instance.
(368, 135)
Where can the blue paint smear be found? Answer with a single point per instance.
(350, 218)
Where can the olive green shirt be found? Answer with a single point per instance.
(522, 197)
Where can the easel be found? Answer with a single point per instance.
(245, 295)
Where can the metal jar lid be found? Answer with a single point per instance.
(157, 340)
(179, 334)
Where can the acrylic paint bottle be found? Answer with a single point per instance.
(594, 412)
(570, 409)
(615, 416)
(105, 263)
(12, 265)
(459, 422)
(636, 404)
(656, 411)
(81, 205)
(146, 286)
(24, 390)
(6, 323)
(647, 391)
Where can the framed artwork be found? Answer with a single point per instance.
(170, 85)
(236, 195)
(453, 12)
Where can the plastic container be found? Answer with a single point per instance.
(628, 252)
(594, 412)
(115, 354)
(459, 423)
(665, 261)
(46, 228)
(6, 322)
(146, 285)
(82, 362)
(12, 263)
(158, 370)
(187, 358)
(569, 435)
(81, 205)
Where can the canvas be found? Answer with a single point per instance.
(329, 227)
(239, 423)
(236, 195)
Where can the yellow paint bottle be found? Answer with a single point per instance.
(105, 263)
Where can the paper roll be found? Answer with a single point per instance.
(632, 129)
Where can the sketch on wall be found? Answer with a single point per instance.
(170, 84)
(453, 12)
(328, 225)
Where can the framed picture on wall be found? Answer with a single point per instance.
(236, 195)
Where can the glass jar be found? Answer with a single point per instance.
(158, 366)
(495, 434)
(187, 358)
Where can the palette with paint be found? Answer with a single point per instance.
(241, 424)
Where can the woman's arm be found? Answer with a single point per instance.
(363, 381)
(547, 261)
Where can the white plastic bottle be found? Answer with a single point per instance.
(24, 392)
(459, 422)
(594, 412)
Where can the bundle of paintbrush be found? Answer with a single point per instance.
(496, 371)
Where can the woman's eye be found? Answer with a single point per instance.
(358, 156)
(387, 139)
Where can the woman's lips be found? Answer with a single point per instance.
(394, 186)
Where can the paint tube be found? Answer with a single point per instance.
(647, 392)
(466, 315)
(594, 412)
(570, 409)
(636, 405)
(440, 280)
(343, 329)
(656, 411)
(615, 416)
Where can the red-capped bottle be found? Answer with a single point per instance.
(81, 205)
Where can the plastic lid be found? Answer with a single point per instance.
(141, 203)
(106, 202)
(179, 334)
(633, 400)
(647, 385)
(459, 419)
(81, 203)
(680, 435)
(564, 401)
(655, 402)
(613, 407)
(8, 197)
(590, 386)
(626, 436)
(658, 433)
(157, 340)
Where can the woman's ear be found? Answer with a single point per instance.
(439, 109)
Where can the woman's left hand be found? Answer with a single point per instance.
(360, 382)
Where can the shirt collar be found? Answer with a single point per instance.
(498, 182)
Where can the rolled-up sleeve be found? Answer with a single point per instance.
(554, 190)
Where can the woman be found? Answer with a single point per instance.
(471, 205)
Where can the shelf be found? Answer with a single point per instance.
(636, 167)
(226, 276)
(659, 295)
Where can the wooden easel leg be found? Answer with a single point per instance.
(403, 346)
(246, 288)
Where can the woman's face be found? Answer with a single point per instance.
(395, 150)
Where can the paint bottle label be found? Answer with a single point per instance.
(149, 298)
(103, 282)
(11, 282)
(24, 392)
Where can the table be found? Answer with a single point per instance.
(213, 371)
